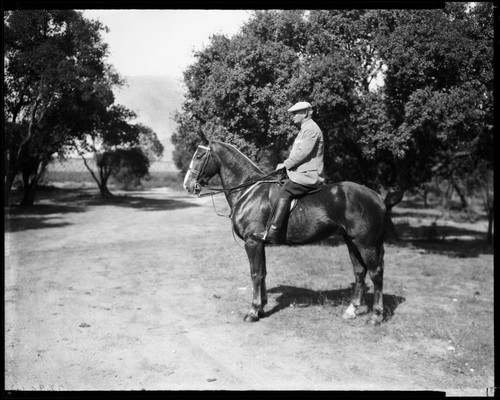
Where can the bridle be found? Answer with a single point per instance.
(199, 172)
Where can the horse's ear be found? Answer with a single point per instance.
(203, 138)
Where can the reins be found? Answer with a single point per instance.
(218, 190)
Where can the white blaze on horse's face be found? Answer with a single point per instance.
(190, 180)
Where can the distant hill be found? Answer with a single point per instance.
(154, 99)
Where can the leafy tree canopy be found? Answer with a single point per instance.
(56, 83)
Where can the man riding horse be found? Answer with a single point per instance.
(304, 168)
(348, 209)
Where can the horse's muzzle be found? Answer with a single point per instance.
(192, 187)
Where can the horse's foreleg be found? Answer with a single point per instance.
(263, 290)
(257, 258)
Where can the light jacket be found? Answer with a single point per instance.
(305, 163)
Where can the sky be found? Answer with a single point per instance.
(161, 42)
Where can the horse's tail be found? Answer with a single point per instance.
(389, 230)
(386, 225)
(392, 198)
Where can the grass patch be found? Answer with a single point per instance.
(439, 308)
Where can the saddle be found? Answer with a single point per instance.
(275, 190)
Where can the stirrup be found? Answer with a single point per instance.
(268, 236)
(260, 237)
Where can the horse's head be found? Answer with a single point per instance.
(201, 169)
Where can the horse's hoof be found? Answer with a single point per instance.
(375, 320)
(350, 313)
(362, 309)
(251, 317)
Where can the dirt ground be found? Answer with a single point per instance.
(132, 295)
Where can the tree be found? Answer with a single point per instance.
(149, 143)
(126, 165)
(484, 181)
(110, 130)
(438, 90)
(133, 163)
(119, 147)
(56, 81)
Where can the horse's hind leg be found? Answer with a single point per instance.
(371, 259)
(377, 276)
(257, 258)
(357, 305)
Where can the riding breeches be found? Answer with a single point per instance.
(291, 190)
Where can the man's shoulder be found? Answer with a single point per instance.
(310, 126)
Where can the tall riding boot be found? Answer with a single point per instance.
(280, 213)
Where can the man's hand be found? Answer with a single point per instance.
(280, 166)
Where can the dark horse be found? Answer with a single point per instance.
(346, 208)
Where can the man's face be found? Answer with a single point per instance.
(298, 116)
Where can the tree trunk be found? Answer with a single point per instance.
(426, 197)
(11, 170)
(463, 199)
(8, 187)
(489, 236)
(8, 181)
(29, 186)
(6, 195)
(103, 188)
(32, 171)
(424, 192)
(446, 201)
(29, 194)
(103, 185)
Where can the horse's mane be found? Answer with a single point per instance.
(255, 166)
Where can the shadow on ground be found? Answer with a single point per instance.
(40, 216)
(54, 205)
(451, 241)
(137, 202)
(23, 224)
(302, 297)
(454, 248)
(42, 209)
(433, 206)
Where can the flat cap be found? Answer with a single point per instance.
(301, 105)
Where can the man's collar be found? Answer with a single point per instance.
(305, 121)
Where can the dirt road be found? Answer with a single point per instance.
(127, 296)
